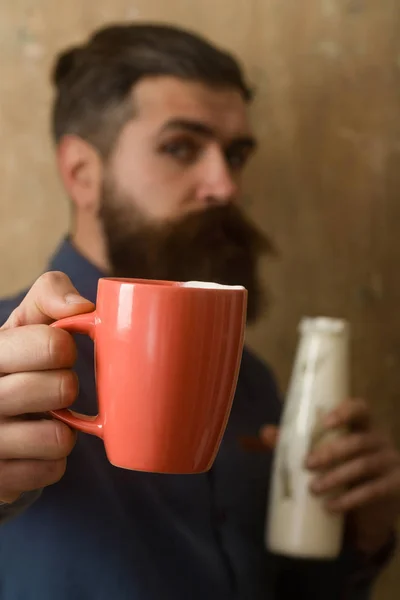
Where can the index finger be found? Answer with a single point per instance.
(51, 297)
(351, 413)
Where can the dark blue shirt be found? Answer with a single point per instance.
(104, 532)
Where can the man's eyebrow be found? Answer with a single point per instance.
(200, 128)
(190, 125)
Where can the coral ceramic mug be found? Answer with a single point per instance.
(167, 359)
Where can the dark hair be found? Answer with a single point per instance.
(93, 81)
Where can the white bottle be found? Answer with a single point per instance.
(298, 524)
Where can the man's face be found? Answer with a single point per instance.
(185, 150)
(170, 205)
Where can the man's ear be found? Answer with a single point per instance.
(81, 169)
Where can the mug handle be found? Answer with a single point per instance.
(93, 425)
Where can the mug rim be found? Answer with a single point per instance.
(171, 285)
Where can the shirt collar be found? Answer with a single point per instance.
(83, 274)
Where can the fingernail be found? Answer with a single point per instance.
(332, 506)
(311, 462)
(315, 487)
(76, 299)
(331, 421)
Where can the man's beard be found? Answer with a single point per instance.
(218, 245)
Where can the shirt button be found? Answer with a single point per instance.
(221, 516)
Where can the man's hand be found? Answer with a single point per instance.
(366, 465)
(36, 377)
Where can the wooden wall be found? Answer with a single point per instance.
(325, 183)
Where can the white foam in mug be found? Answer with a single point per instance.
(210, 286)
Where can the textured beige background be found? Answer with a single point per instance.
(325, 183)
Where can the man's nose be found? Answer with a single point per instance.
(217, 184)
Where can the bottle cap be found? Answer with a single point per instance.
(323, 325)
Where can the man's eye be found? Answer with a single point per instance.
(184, 151)
(236, 160)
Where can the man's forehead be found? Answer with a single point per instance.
(161, 99)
